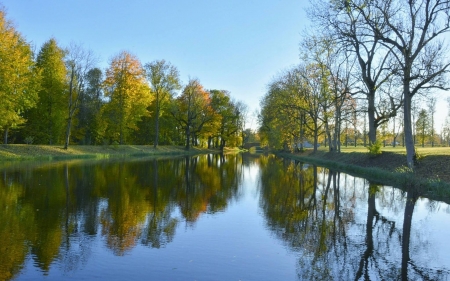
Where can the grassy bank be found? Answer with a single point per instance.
(431, 176)
(13, 152)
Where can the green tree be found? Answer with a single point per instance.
(164, 81)
(90, 123)
(18, 77)
(46, 122)
(192, 110)
(128, 94)
(423, 126)
(227, 118)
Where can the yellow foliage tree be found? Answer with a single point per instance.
(18, 87)
(129, 96)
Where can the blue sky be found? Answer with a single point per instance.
(234, 45)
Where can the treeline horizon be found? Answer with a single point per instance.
(60, 96)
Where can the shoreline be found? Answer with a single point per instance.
(23, 152)
(431, 177)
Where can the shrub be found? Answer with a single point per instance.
(29, 140)
(374, 148)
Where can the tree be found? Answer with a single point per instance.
(46, 121)
(128, 94)
(414, 31)
(431, 111)
(283, 116)
(227, 116)
(241, 113)
(164, 81)
(423, 126)
(18, 77)
(192, 110)
(337, 101)
(78, 63)
(345, 24)
(91, 104)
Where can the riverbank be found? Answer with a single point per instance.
(20, 152)
(431, 176)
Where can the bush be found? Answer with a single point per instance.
(374, 148)
(29, 140)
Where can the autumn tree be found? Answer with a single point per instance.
(192, 110)
(78, 62)
(18, 77)
(164, 81)
(281, 115)
(46, 122)
(128, 94)
(227, 117)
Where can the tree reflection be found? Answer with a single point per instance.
(14, 225)
(205, 187)
(54, 212)
(313, 211)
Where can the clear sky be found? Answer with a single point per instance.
(234, 45)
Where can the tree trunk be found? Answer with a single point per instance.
(409, 142)
(371, 116)
(328, 134)
(69, 125)
(316, 136)
(5, 135)
(188, 138)
(302, 130)
(155, 145)
(210, 142)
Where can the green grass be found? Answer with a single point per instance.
(428, 150)
(22, 152)
(431, 176)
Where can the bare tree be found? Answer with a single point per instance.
(346, 25)
(414, 31)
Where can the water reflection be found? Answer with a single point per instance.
(54, 212)
(318, 213)
(337, 227)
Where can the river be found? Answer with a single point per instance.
(214, 217)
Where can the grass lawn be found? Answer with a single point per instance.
(431, 172)
(398, 149)
(52, 152)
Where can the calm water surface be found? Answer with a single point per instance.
(212, 217)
